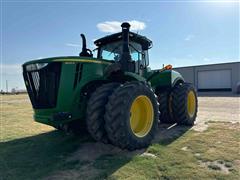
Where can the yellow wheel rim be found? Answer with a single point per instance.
(191, 104)
(142, 115)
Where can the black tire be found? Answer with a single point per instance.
(117, 116)
(180, 104)
(96, 109)
(165, 107)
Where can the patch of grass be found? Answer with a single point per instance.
(110, 161)
(29, 150)
(36, 156)
(108, 164)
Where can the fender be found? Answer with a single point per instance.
(176, 78)
(164, 79)
(133, 76)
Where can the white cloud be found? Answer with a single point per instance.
(73, 45)
(189, 37)
(115, 26)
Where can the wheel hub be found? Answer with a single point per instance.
(141, 116)
(191, 104)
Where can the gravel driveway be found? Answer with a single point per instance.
(224, 109)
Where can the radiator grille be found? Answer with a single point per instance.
(42, 85)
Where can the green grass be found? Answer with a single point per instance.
(29, 150)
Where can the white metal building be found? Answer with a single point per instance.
(213, 77)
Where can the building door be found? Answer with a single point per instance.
(214, 80)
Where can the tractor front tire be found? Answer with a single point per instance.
(131, 116)
(96, 109)
(184, 104)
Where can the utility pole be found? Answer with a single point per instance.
(7, 86)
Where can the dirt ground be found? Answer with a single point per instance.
(222, 108)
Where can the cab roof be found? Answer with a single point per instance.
(144, 41)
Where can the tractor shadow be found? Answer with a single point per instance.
(168, 133)
(55, 155)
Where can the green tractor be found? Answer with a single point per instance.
(115, 96)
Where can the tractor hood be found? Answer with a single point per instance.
(68, 59)
(55, 85)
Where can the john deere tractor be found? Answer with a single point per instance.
(115, 96)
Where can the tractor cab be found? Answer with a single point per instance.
(126, 48)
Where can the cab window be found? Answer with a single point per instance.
(135, 51)
(112, 52)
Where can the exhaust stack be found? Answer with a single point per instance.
(85, 52)
(125, 59)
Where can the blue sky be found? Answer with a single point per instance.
(183, 33)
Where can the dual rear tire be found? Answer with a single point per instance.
(96, 110)
(179, 105)
(124, 115)
(127, 115)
